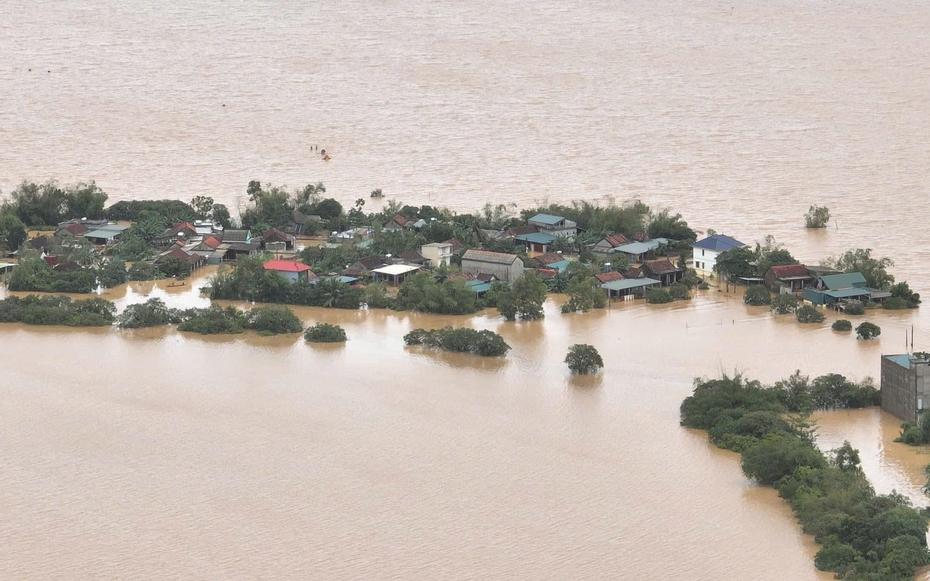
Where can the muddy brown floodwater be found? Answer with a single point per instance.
(156, 455)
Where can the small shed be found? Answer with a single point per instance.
(629, 286)
(394, 274)
(536, 241)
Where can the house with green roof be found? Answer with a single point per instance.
(833, 289)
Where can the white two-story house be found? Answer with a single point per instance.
(707, 250)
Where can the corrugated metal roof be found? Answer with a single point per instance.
(547, 219)
(478, 286)
(560, 266)
(718, 243)
(841, 281)
(628, 283)
(396, 269)
(488, 256)
(537, 238)
(847, 293)
(634, 248)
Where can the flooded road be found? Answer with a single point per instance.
(156, 455)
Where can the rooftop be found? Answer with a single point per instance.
(617, 240)
(791, 271)
(606, 277)
(628, 283)
(488, 256)
(537, 238)
(902, 360)
(662, 266)
(546, 219)
(841, 281)
(286, 266)
(396, 269)
(719, 243)
(560, 266)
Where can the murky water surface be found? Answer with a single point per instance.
(156, 455)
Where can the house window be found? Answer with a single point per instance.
(702, 252)
(920, 403)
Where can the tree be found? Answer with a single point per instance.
(842, 325)
(203, 205)
(868, 331)
(735, 263)
(846, 458)
(84, 200)
(679, 292)
(583, 359)
(325, 333)
(12, 230)
(860, 260)
(854, 308)
(658, 296)
(112, 273)
(817, 217)
(38, 204)
(524, 300)
(152, 313)
(584, 294)
(757, 295)
(784, 304)
(328, 209)
(663, 224)
(809, 314)
(902, 297)
(272, 320)
(770, 253)
(484, 343)
(220, 215)
(777, 456)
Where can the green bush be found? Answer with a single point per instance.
(141, 271)
(462, 340)
(325, 333)
(112, 273)
(583, 359)
(868, 331)
(272, 320)
(757, 295)
(679, 292)
(809, 314)
(784, 304)
(902, 297)
(854, 308)
(703, 286)
(151, 313)
(213, 320)
(658, 296)
(57, 310)
(842, 325)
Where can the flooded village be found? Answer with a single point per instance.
(207, 376)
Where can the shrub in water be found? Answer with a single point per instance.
(658, 296)
(809, 314)
(784, 304)
(583, 359)
(325, 333)
(868, 331)
(854, 308)
(842, 325)
(757, 295)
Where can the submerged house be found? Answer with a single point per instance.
(905, 385)
(105, 234)
(792, 277)
(506, 267)
(629, 287)
(706, 251)
(292, 270)
(663, 270)
(605, 247)
(839, 288)
(554, 225)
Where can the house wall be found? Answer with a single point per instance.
(437, 255)
(704, 261)
(504, 272)
(904, 390)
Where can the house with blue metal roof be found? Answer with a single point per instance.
(706, 251)
(536, 241)
(554, 225)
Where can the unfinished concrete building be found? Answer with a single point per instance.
(905, 384)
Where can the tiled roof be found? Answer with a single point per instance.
(635, 272)
(548, 258)
(484, 276)
(275, 235)
(371, 262)
(492, 257)
(605, 277)
(617, 240)
(520, 230)
(212, 242)
(456, 244)
(791, 271)
(662, 266)
(639, 237)
(412, 256)
(286, 266)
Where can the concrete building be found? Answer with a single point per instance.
(438, 253)
(905, 385)
(394, 274)
(506, 267)
(707, 250)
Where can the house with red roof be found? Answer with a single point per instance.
(605, 247)
(605, 277)
(291, 270)
(794, 277)
(663, 270)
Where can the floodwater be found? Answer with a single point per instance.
(156, 455)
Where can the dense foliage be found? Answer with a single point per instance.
(809, 314)
(248, 280)
(35, 275)
(273, 320)
(152, 313)
(868, 331)
(916, 433)
(864, 536)
(842, 325)
(57, 310)
(12, 230)
(902, 297)
(658, 296)
(854, 308)
(213, 320)
(112, 273)
(523, 299)
(48, 204)
(679, 291)
(325, 333)
(860, 260)
(583, 359)
(422, 292)
(584, 291)
(757, 295)
(462, 340)
(817, 217)
(784, 304)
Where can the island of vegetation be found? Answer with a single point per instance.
(462, 340)
(325, 333)
(864, 536)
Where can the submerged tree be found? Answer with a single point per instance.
(583, 359)
(817, 217)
